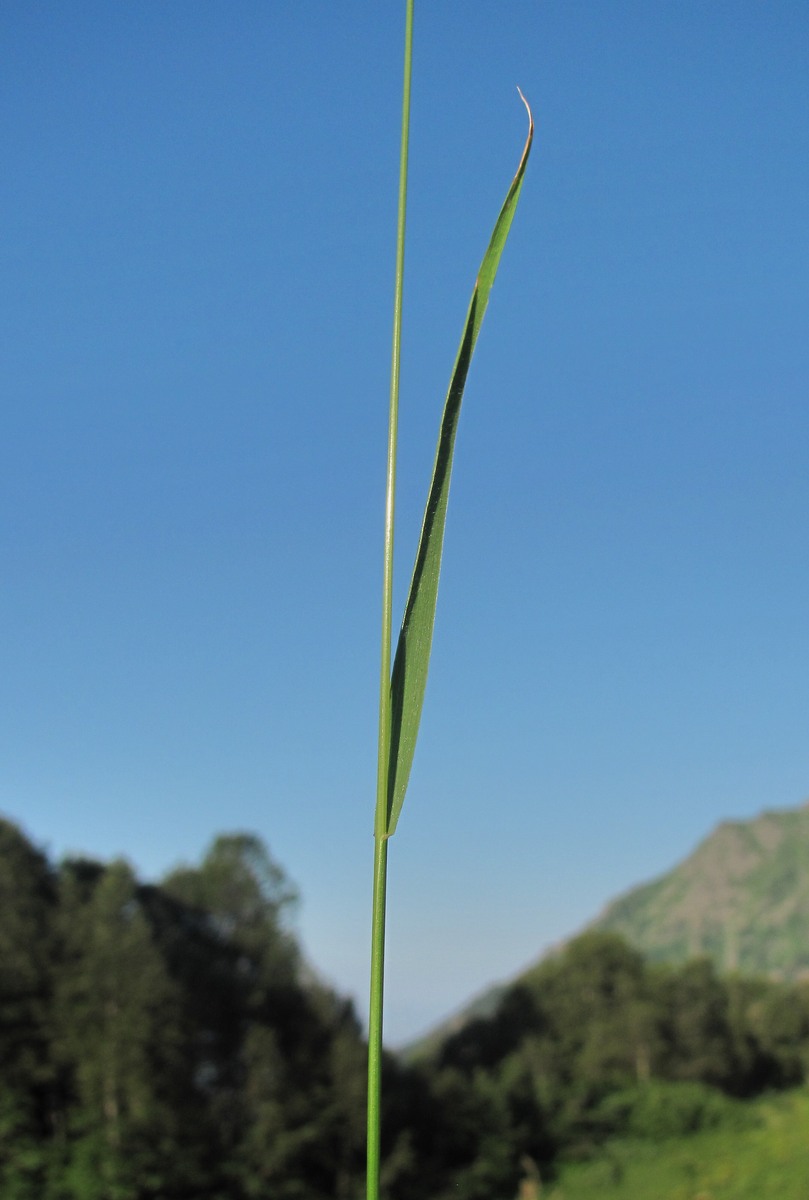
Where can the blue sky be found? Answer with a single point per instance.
(198, 210)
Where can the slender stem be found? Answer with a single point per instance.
(375, 1021)
(381, 813)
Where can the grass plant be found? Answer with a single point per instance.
(401, 692)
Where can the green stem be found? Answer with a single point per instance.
(383, 759)
(375, 1021)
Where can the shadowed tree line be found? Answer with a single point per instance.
(167, 1041)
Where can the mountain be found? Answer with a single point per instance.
(741, 898)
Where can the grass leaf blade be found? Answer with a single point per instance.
(409, 676)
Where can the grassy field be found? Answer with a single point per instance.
(768, 1161)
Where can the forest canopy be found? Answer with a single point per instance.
(162, 1041)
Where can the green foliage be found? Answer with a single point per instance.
(27, 1076)
(698, 1032)
(164, 1041)
(769, 1158)
(603, 1043)
(657, 1110)
(118, 1040)
(168, 1044)
(409, 678)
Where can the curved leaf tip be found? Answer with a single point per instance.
(528, 110)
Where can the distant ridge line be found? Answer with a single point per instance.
(740, 898)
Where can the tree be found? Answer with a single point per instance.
(698, 1037)
(27, 904)
(280, 1055)
(119, 1040)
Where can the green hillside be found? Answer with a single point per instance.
(741, 899)
(769, 1160)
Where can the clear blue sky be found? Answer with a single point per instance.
(198, 208)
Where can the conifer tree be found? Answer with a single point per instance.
(117, 1020)
(27, 905)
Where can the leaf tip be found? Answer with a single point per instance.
(528, 110)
